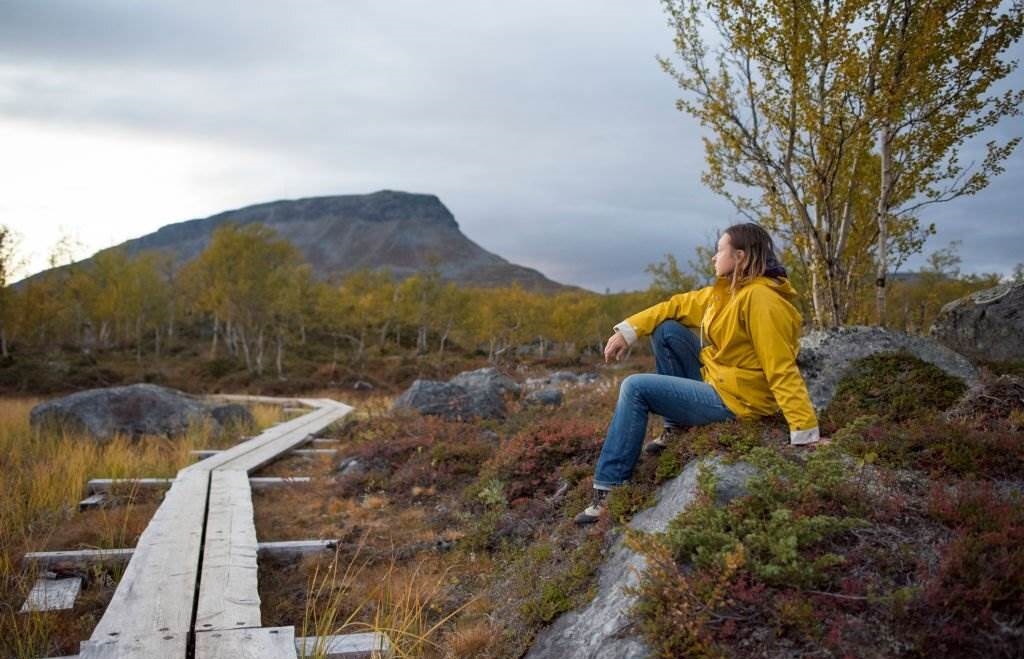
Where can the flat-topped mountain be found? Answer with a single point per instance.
(400, 231)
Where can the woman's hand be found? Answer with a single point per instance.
(616, 347)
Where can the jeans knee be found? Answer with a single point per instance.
(667, 328)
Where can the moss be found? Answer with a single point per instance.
(894, 387)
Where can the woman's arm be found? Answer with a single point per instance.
(775, 333)
(688, 308)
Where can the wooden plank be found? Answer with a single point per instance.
(288, 548)
(268, 482)
(92, 501)
(366, 645)
(204, 452)
(107, 484)
(52, 594)
(313, 452)
(228, 597)
(265, 643)
(325, 441)
(159, 645)
(157, 591)
(87, 557)
(252, 460)
(294, 430)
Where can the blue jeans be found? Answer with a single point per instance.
(676, 392)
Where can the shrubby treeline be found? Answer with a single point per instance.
(249, 297)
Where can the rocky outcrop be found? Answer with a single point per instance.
(134, 410)
(471, 394)
(985, 326)
(826, 355)
(600, 630)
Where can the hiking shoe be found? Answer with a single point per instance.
(596, 508)
(660, 443)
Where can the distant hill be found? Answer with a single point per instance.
(400, 231)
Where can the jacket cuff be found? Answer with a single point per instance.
(627, 332)
(809, 436)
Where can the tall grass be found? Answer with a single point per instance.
(402, 605)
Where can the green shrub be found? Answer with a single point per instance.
(894, 387)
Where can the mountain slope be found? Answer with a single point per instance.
(400, 231)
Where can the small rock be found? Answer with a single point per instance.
(547, 396)
(362, 385)
(349, 466)
(563, 376)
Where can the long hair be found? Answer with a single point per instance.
(759, 258)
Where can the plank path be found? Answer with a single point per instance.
(190, 585)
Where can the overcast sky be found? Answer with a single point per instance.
(547, 128)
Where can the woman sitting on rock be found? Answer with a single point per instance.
(742, 365)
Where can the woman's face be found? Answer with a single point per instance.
(726, 257)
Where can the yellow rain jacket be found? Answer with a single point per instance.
(749, 343)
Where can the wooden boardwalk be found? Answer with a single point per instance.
(190, 588)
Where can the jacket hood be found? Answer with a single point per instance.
(773, 268)
(778, 284)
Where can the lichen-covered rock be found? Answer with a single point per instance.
(825, 356)
(987, 325)
(133, 410)
(487, 378)
(452, 401)
(599, 630)
(547, 396)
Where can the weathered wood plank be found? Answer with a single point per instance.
(287, 548)
(157, 591)
(228, 597)
(267, 482)
(367, 645)
(52, 594)
(294, 432)
(314, 452)
(325, 441)
(162, 645)
(92, 501)
(252, 460)
(265, 643)
(97, 485)
(87, 557)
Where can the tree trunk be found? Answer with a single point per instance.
(280, 353)
(259, 352)
(3, 341)
(882, 217)
(213, 345)
(245, 349)
(138, 339)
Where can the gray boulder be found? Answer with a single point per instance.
(601, 629)
(134, 410)
(487, 378)
(826, 355)
(546, 396)
(563, 376)
(451, 401)
(987, 325)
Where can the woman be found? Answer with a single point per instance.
(742, 365)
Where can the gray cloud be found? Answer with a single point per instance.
(547, 128)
